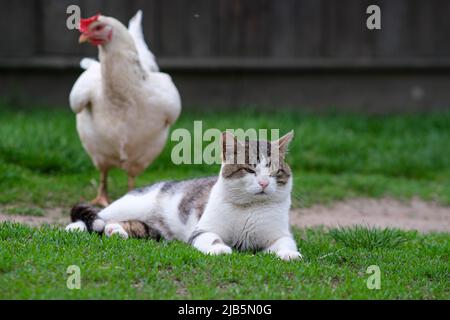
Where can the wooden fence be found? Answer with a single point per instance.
(248, 40)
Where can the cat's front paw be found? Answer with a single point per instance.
(115, 228)
(76, 226)
(288, 255)
(218, 249)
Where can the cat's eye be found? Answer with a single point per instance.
(249, 170)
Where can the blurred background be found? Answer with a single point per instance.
(225, 54)
(370, 108)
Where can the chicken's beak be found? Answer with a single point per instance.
(83, 38)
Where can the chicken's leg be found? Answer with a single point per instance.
(130, 182)
(102, 194)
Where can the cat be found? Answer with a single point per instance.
(246, 207)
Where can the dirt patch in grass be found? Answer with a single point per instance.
(53, 216)
(407, 215)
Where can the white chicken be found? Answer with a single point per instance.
(124, 106)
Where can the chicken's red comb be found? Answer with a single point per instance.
(84, 23)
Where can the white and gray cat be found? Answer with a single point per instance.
(245, 208)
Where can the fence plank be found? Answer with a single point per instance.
(283, 33)
(230, 22)
(17, 22)
(174, 29)
(440, 36)
(394, 30)
(202, 28)
(346, 28)
(56, 38)
(151, 23)
(255, 28)
(308, 28)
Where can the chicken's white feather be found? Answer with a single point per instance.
(85, 63)
(85, 87)
(145, 55)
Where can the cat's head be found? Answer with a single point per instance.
(255, 170)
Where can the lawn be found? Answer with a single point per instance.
(333, 157)
(34, 264)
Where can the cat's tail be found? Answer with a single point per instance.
(85, 218)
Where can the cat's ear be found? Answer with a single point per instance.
(283, 143)
(229, 145)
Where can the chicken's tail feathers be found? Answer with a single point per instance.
(136, 21)
(86, 63)
(146, 57)
(88, 215)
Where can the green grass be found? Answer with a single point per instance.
(333, 156)
(368, 237)
(26, 211)
(34, 262)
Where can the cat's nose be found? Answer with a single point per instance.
(263, 183)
